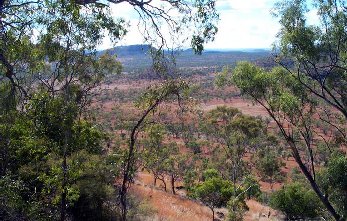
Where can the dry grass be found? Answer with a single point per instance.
(171, 207)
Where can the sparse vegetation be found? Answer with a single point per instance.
(146, 133)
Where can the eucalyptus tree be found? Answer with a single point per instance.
(156, 153)
(163, 159)
(50, 47)
(312, 89)
(214, 192)
(81, 25)
(269, 165)
(296, 201)
(179, 165)
(293, 108)
(236, 133)
(333, 181)
(318, 49)
(149, 101)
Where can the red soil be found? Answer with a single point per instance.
(245, 106)
(169, 207)
(177, 207)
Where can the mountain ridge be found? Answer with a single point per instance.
(144, 49)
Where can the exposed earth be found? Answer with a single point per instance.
(169, 207)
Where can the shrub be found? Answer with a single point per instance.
(296, 201)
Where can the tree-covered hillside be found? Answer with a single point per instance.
(142, 132)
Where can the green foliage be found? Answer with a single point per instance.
(94, 185)
(209, 174)
(52, 116)
(189, 179)
(50, 153)
(223, 77)
(294, 95)
(299, 34)
(252, 187)
(232, 126)
(163, 159)
(214, 192)
(109, 64)
(296, 174)
(279, 90)
(323, 153)
(236, 133)
(156, 134)
(334, 182)
(194, 146)
(168, 89)
(337, 169)
(12, 204)
(312, 45)
(292, 104)
(25, 146)
(296, 201)
(236, 207)
(35, 156)
(87, 136)
(269, 165)
(156, 154)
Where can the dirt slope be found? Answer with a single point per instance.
(169, 207)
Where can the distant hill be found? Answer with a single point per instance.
(239, 50)
(130, 50)
(144, 49)
(136, 58)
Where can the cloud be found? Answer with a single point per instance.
(223, 5)
(127, 12)
(124, 10)
(248, 25)
(312, 17)
(243, 24)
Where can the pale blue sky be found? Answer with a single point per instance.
(243, 24)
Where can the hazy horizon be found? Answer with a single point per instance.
(206, 49)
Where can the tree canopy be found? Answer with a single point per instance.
(303, 95)
(49, 69)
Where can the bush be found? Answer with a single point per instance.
(252, 186)
(95, 190)
(333, 179)
(296, 201)
(214, 192)
(210, 173)
(217, 192)
(237, 208)
(194, 146)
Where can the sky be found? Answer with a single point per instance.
(243, 24)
